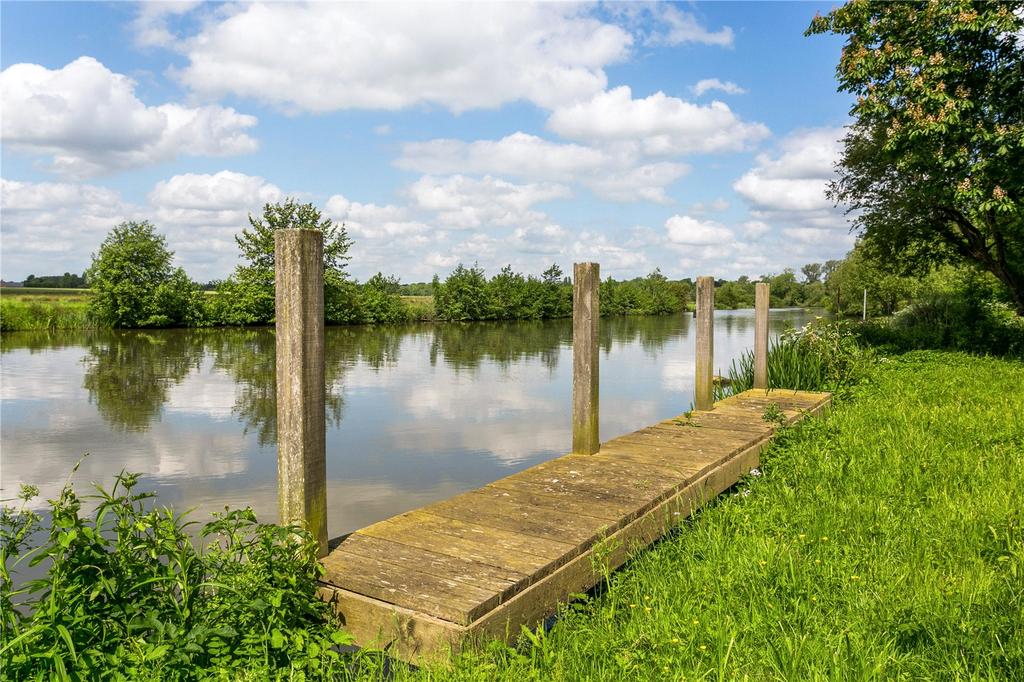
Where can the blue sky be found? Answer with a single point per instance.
(693, 137)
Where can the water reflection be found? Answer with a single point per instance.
(415, 413)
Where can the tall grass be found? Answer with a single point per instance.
(29, 314)
(822, 356)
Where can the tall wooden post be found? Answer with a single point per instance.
(586, 314)
(761, 304)
(704, 397)
(301, 419)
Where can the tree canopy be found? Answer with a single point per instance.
(933, 165)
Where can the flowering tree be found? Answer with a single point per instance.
(933, 166)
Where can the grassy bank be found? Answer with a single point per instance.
(886, 541)
(42, 312)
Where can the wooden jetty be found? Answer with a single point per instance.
(483, 564)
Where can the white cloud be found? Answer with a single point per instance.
(727, 87)
(460, 202)
(612, 257)
(332, 56)
(617, 175)
(795, 179)
(89, 121)
(371, 221)
(541, 239)
(683, 27)
(754, 229)
(150, 25)
(202, 213)
(660, 124)
(683, 229)
(55, 226)
(717, 206)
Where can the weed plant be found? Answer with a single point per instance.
(822, 356)
(126, 593)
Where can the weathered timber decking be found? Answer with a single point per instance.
(481, 564)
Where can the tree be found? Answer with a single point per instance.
(247, 297)
(933, 165)
(135, 285)
(812, 272)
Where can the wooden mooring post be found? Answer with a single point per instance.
(703, 393)
(301, 419)
(586, 314)
(761, 305)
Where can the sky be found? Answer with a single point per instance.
(697, 138)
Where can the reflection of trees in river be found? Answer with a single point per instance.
(464, 345)
(128, 374)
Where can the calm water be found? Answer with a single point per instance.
(415, 413)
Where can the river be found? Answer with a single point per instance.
(416, 413)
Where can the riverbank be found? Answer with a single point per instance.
(884, 541)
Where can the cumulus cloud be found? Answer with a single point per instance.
(55, 225)
(461, 202)
(371, 221)
(727, 87)
(333, 56)
(679, 27)
(660, 124)
(682, 229)
(89, 121)
(795, 179)
(616, 175)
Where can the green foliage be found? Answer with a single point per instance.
(822, 356)
(128, 594)
(380, 301)
(955, 308)
(68, 280)
(651, 295)
(932, 166)
(463, 295)
(134, 284)
(887, 290)
(247, 297)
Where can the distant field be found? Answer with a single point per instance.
(418, 299)
(43, 293)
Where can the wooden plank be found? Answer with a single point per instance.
(583, 572)
(609, 513)
(401, 632)
(524, 519)
(472, 541)
(599, 499)
(636, 488)
(454, 568)
(458, 602)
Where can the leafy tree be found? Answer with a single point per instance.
(556, 294)
(812, 272)
(380, 302)
(247, 297)
(463, 295)
(933, 165)
(135, 285)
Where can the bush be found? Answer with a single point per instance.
(127, 593)
(134, 285)
(462, 296)
(822, 356)
(380, 302)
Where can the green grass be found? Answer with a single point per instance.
(34, 313)
(883, 542)
(44, 292)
